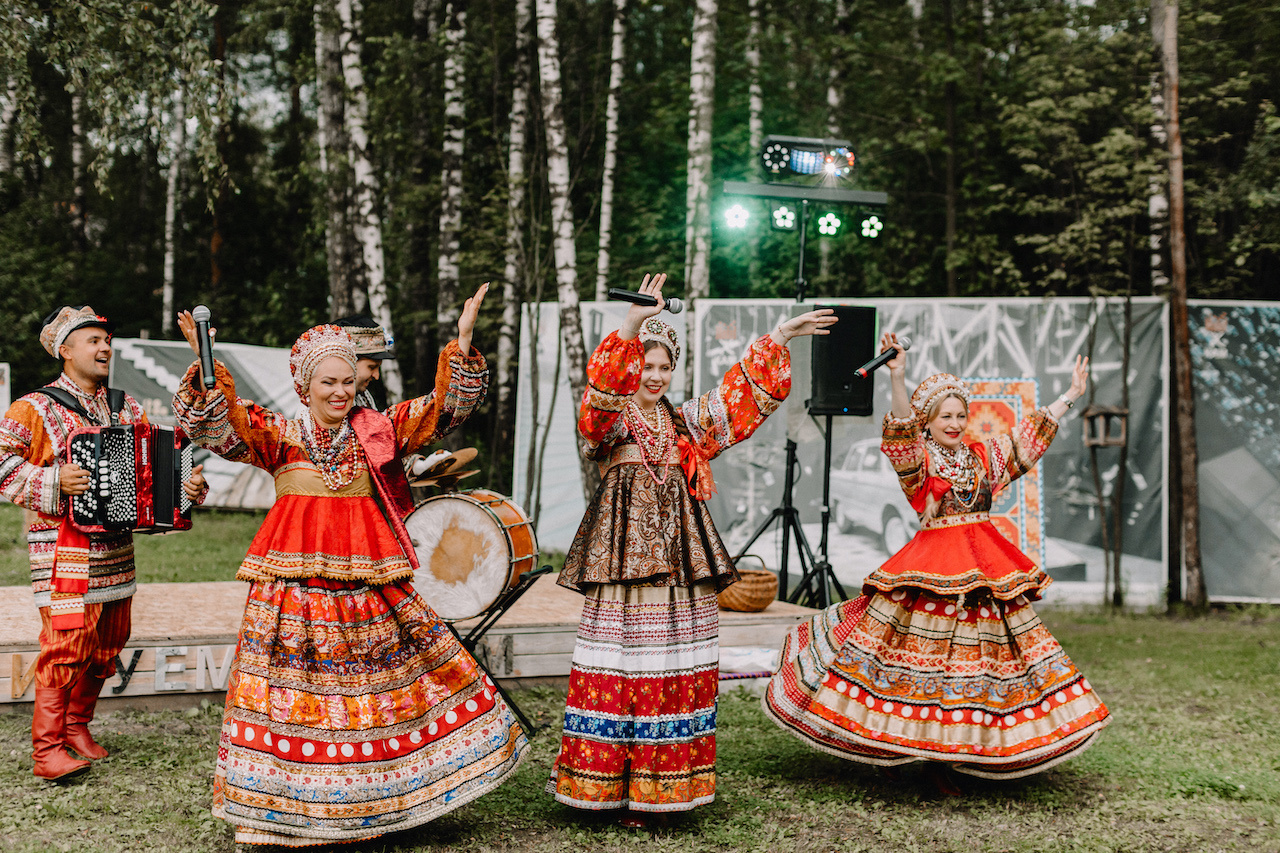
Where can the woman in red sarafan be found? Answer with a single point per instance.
(943, 658)
(351, 711)
(639, 731)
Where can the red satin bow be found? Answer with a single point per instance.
(697, 470)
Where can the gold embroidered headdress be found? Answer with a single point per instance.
(936, 387)
(654, 329)
(61, 323)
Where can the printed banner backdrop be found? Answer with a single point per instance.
(1029, 341)
(1235, 353)
(150, 370)
(5, 391)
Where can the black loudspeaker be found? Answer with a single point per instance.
(837, 390)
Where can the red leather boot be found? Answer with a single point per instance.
(47, 723)
(84, 698)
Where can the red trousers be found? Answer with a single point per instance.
(67, 655)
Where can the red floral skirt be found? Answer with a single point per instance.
(352, 712)
(913, 675)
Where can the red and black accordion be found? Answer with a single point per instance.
(136, 472)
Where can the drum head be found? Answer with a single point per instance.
(463, 553)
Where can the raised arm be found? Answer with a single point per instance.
(461, 383)
(218, 420)
(613, 376)
(903, 439)
(753, 388)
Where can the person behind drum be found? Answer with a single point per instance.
(83, 583)
(352, 711)
(373, 345)
(639, 731)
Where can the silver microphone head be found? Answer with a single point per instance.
(201, 314)
(905, 340)
(674, 305)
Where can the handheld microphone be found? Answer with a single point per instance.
(673, 305)
(201, 315)
(883, 358)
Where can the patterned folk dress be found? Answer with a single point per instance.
(640, 719)
(351, 711)
(943, 658)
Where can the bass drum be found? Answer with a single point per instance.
(472, 547)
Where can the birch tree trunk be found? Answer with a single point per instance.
(563, 245)
(702, 88)
(368, 223)
(347, 288)
(451, 149)
(616, 56)
(514, 273)
(171, 211)
(1164, 27)
(1157, 199)
(78, 177)
(8, 110)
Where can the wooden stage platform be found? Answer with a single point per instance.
(184, 638)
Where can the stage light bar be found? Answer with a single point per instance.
(829, 225)
(783, 218)
(872, 226)
(804, 155)
(737, 216)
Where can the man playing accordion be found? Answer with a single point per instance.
(83, 583)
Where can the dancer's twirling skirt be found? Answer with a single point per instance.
(640, 723)
(910, 675)
(353, 712)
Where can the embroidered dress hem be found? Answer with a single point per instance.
(352, 711)
(911, 676)
(640, 718)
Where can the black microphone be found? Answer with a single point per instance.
(883, 358)
(201, 315)
(673, 304)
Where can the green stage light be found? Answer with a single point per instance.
(829, 225)
(783, 218)
(872, 226)
(737, 216)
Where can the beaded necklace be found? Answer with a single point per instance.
(958, 467)
(331, 450)
(655, 434)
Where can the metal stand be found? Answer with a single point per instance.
(812, 591)
(491, 616)
(790, 518)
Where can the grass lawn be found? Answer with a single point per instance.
(1191, 763)
(211, 551)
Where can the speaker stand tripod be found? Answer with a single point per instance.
(815, 584)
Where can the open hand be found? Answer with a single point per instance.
(467, 319)
(817, 322)
(1079, 378)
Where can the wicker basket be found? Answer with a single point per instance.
(756, 591)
